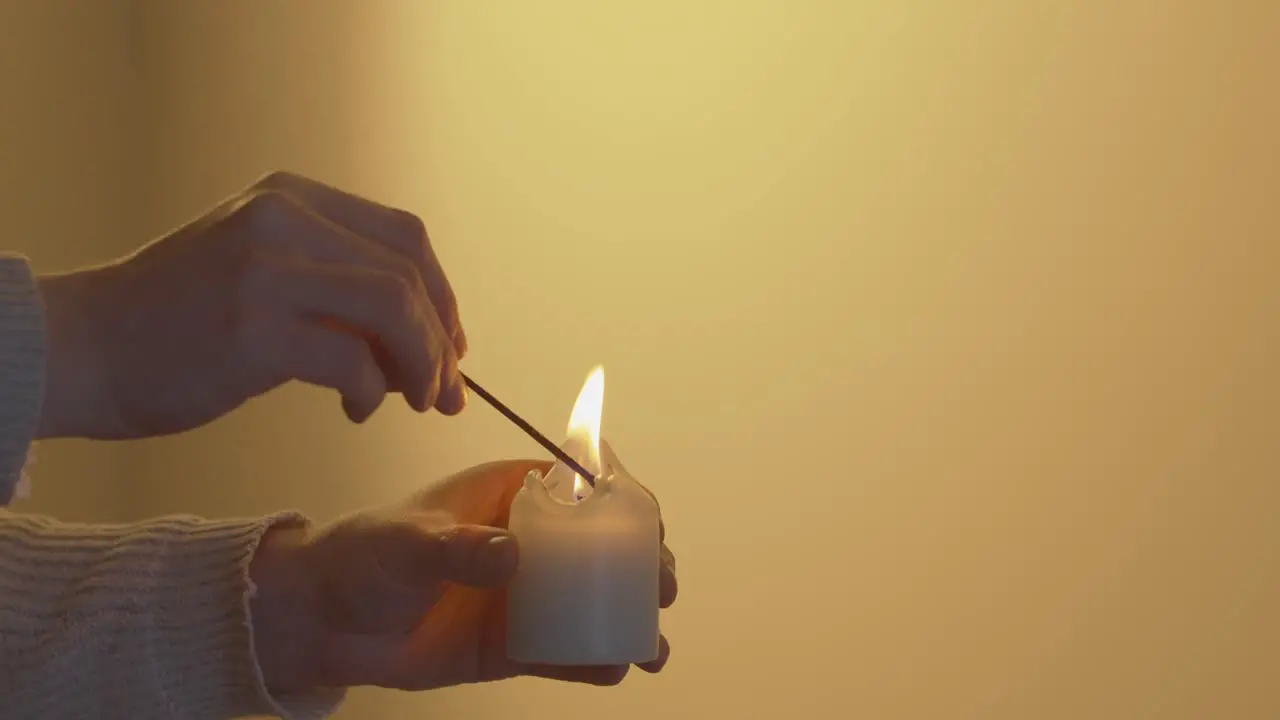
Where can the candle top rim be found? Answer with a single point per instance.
(616, 490)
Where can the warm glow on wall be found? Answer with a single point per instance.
(945, 333)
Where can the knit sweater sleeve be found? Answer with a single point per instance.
(140, 621)
(143, 621)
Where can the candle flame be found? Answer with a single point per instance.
(584, 427)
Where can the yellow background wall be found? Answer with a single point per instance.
(68, 190)
(948, 333)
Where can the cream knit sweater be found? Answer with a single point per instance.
(138, 622)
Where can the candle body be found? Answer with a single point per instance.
(586, 591)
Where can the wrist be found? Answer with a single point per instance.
(288, 631)
(74, 391)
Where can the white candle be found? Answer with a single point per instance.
(586, 591)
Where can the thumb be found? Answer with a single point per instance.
(473, 555)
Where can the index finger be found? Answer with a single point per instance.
(397, 229)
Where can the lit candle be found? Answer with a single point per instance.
(586, 591)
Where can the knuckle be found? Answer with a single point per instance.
(410, 225)
(276, 180)
(408, 272)
(398, 299)
(417, 243)
(264, 209)
(420, 253)
(401, 534)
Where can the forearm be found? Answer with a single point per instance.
(150, 620)
(74, 391)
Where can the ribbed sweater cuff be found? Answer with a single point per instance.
(149, 620)
(22, 365)
(202, 634)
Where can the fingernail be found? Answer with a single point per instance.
(501, 548)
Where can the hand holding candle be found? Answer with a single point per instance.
(412, 596)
